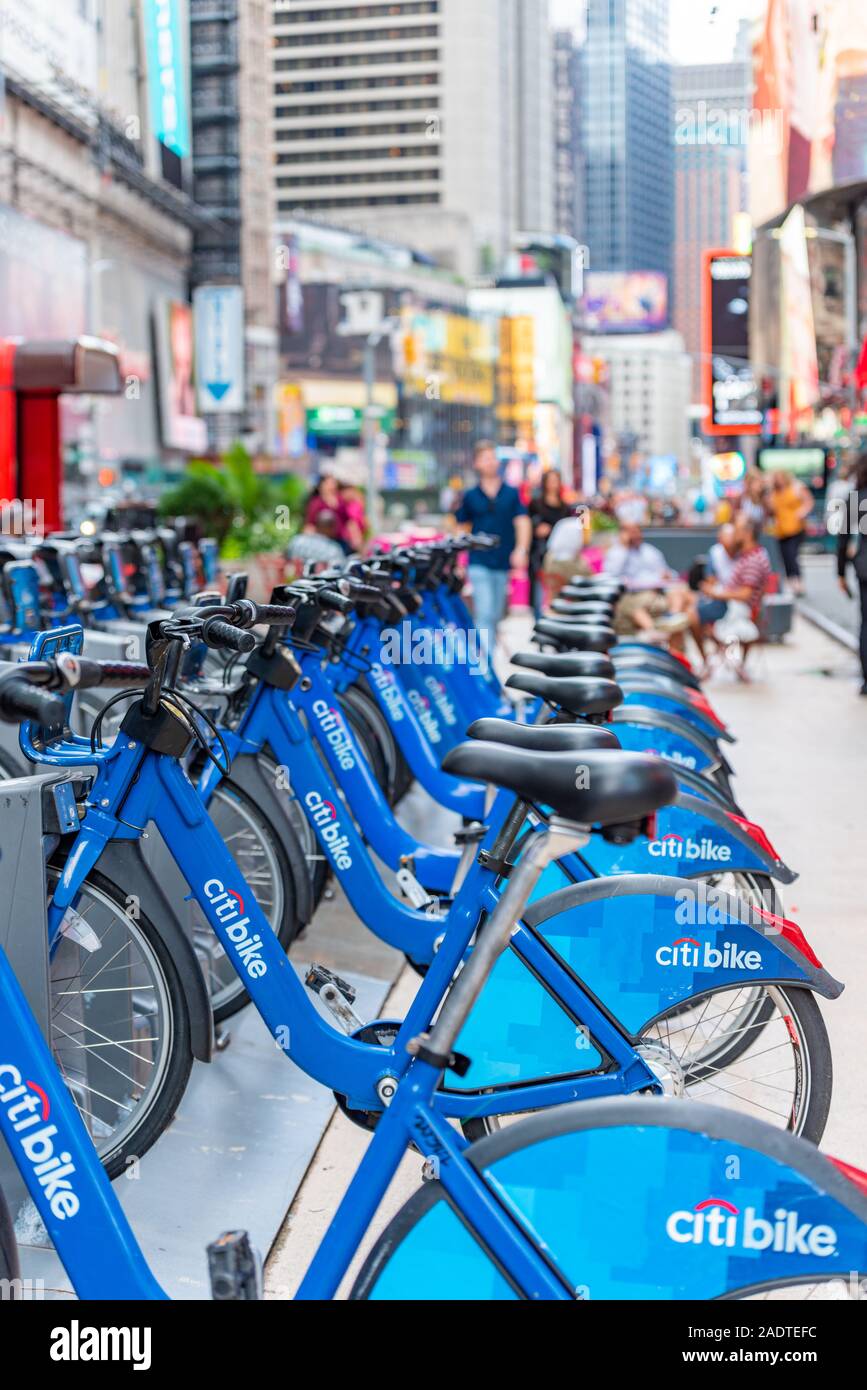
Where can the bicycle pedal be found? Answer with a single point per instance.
(337, 996)
(413, 891)
(320, 975)
(234, 1268)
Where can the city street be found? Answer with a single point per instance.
(363, 365)
(796, 726)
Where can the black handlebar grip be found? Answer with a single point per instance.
(275, 614)
(329, 598)
(365, 593)
(18, 701)
(217, 633)
(81, 673)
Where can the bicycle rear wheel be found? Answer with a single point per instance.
(761, 1051)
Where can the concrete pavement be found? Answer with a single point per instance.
(801, 764)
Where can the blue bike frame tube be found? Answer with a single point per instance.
(409, 1120)
(466, 798)
(388, 839)
(57, 1160)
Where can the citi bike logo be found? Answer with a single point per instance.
(672, 755)
(229, 907)
(695, 955)
(331, 723)
(439, 695)
(718, 1223)
(324, 816)
(425, 715)
(28, 1108)
(388, 689)
(673, 846)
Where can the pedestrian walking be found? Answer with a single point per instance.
(493, 508)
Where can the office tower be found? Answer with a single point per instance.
(626, 135)
(428, 122)
(568, 155)
(711, 149)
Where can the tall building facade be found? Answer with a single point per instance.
(426, 121)
(648, 392)
(97, 213)
(711, 151)
(568, 154)
(626, 136)
(230, 94)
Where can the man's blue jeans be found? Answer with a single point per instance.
(490, 589)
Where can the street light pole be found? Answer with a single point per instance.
(370, 421)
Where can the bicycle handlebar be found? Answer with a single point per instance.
(19, 700)
(216, 632)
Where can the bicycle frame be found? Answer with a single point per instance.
(90, 1232)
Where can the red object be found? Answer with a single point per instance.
(861, 369)
(702, 703)
(708, 427)
(755, 832)
(854, 1175)
(40, 472)
(8, 433)
(684, 660)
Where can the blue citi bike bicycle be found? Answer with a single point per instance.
(625, 1198)
(605, 1001)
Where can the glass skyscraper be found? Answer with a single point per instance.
(627, 136)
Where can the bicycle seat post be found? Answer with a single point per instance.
(562, 837)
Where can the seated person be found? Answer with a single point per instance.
(655, 605)
(709, 609)
(742, 593)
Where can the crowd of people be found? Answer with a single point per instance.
(551, 534)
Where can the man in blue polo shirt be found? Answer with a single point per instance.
(493, 508)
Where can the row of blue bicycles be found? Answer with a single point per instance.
(614, 1068)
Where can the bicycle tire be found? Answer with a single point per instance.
(115, 1154)
(10, 1269)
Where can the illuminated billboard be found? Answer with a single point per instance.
(808, 130)
(627, 302)
(167, 75)
(731, 392)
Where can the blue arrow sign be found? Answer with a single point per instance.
(219, 329)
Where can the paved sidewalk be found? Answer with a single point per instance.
(801, 764)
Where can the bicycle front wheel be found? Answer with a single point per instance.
(120, 1028)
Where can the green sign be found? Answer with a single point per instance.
(346, 420)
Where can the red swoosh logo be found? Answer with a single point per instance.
(671, 836)
(681, 939)
(716, 1202)
(238, 899)
(330, 805)
(46, 1107)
